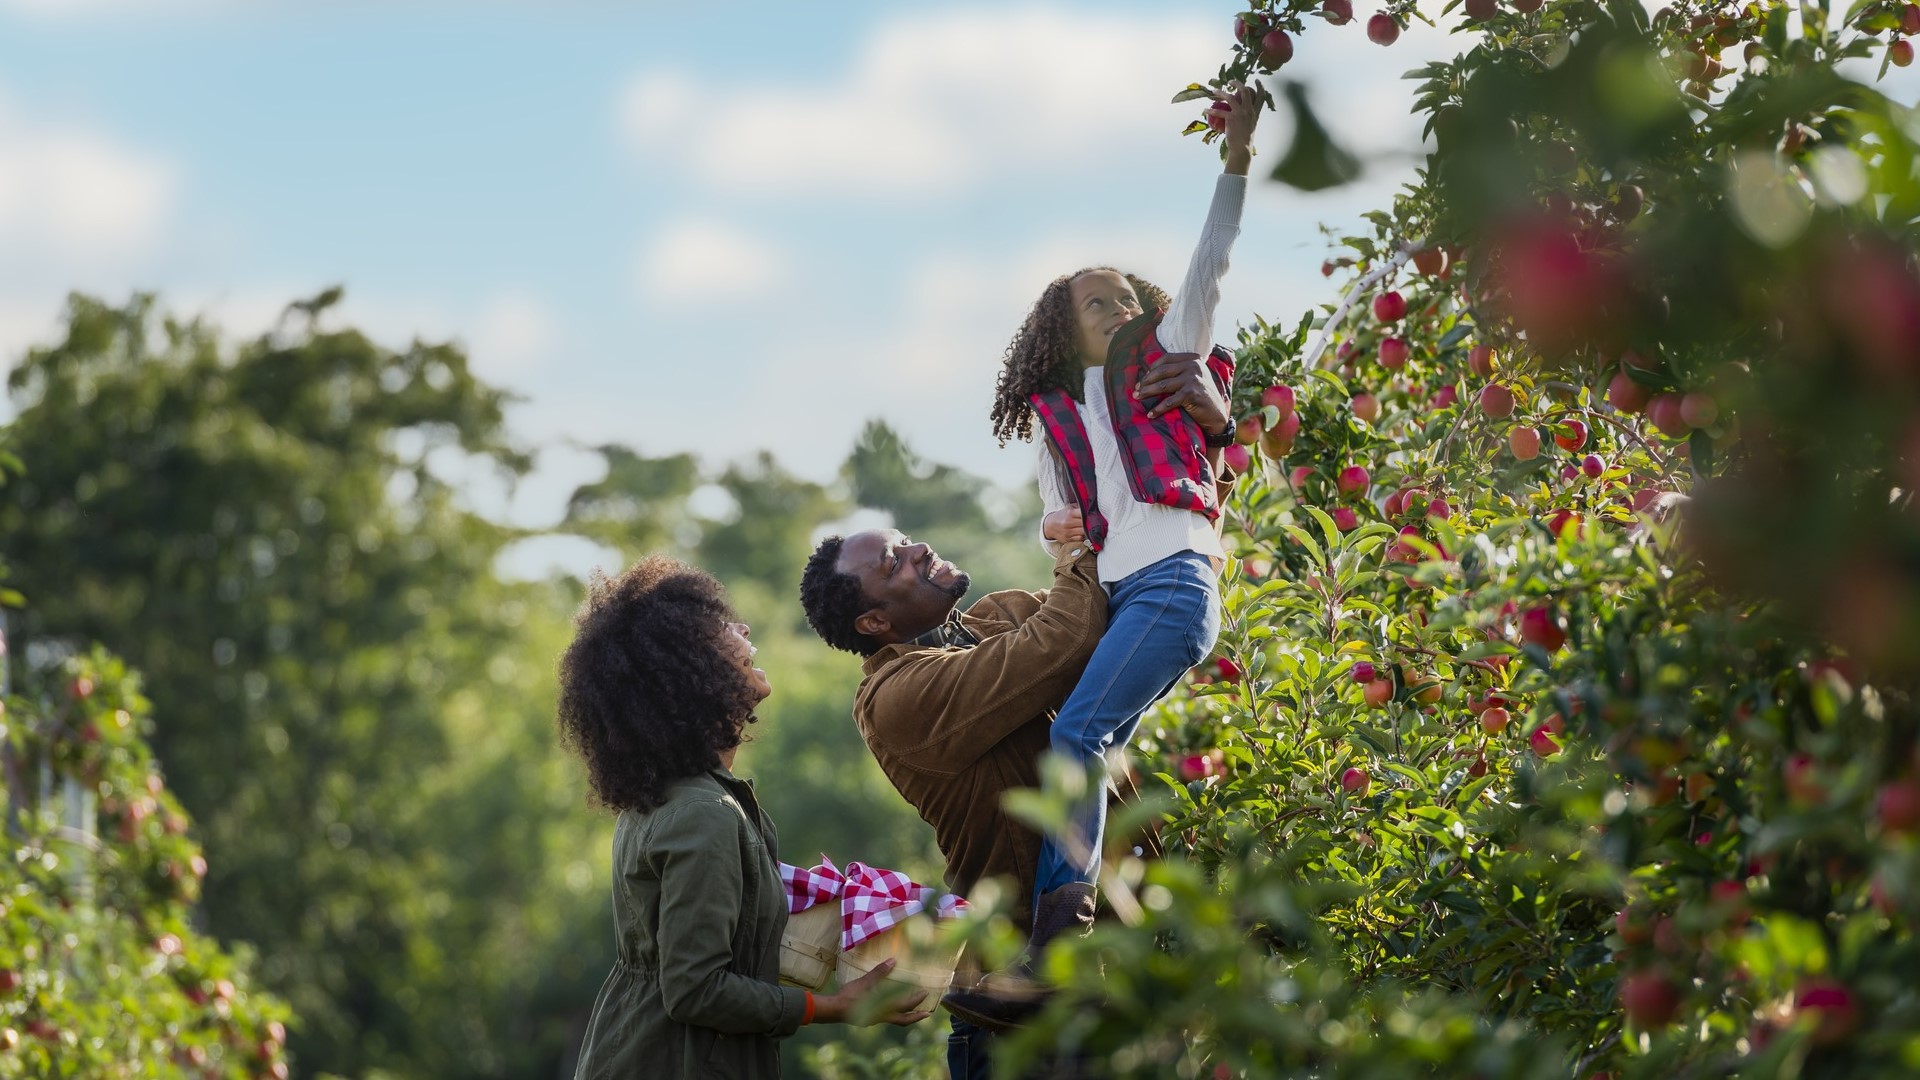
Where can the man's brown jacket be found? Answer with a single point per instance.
(955, 728)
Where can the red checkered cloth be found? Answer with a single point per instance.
(807, 888)
(1166, 455)
(871, 899)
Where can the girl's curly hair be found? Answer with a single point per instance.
(647, 693)
(1045, 354)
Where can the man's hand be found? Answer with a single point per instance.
(1064, 526)
(1182, 381)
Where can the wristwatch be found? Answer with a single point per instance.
(1222, 440)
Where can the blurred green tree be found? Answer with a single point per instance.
(353, 716)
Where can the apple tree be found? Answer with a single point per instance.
(1562, 722)
(102, 972)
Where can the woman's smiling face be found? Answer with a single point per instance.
(735, 645)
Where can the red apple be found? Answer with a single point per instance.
(1393, 353)
(1247, 28)
(1299, 475)
(1899, 806)
(1352, 479)
(1366, 407)
(1482, 9)
(1248, 431)
(1365, 672)
(1276, 48)
(1338, 12)
(1345, 519)
(1382, 29)
(1593, 465)
(1542, 743)
(1495, 720)
(1540, 626)
(1574, 437)
(1560, 521)
(1900, 53)
(1910, 19)
(1626, 395)
(1195, 767)
(1228, 670)
(1525, 443)
(1279, 441)
(1664, 412)
(1216, 115)
(1389, 306)
(1833, 1004)
(1699, 410)
(1236, 458)
(1444, 397)
(1378, 693)
(1355, 781)
(1439, 508)
(9, 980)
(1431, 261)
(1480, 361)
(1496, 401)
(1649, 998)
(1280, 397)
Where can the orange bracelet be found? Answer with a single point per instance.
(807, 1016)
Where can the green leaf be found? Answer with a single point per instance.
(1313, 162)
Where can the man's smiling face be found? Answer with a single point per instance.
(911, 588)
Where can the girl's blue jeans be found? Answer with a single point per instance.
(1161, 620)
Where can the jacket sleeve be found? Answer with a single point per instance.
(941, 710)
(695, 850)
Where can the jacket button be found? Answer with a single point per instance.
(1076, 552)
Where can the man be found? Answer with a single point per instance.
(955, 705)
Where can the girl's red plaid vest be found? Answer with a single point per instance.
(1167, 454)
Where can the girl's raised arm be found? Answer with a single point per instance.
(1188, 325)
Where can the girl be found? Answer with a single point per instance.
(1130, 468)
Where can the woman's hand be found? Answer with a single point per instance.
(1245, 107)
(1064, 526)
(865, 1001)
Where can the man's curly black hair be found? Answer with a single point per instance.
(1045, 354)
(833, 599)
(647, 693)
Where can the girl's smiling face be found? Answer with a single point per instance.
(1103, 301)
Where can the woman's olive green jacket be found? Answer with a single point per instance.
(698, 910)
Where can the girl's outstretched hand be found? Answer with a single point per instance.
(867, 1000)
(1246, 104)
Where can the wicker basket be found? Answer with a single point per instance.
(921, 959)
(810, 946)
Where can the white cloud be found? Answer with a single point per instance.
(693, 261)
(76, 201)
(932, 102)
(939, 102)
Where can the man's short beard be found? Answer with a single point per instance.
(962, 581)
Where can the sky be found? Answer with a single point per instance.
(681, 227)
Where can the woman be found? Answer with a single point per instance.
(655, 691)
